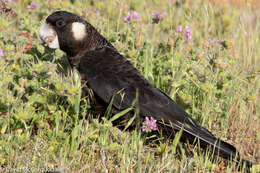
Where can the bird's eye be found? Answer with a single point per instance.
(60, 23)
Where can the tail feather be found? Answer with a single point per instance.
(195, 133)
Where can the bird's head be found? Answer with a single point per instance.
(70, 33)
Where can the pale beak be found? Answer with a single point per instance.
(49, 36)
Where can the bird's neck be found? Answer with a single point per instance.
(93, 41)
(74, 61)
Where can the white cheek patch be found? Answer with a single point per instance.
(78, 30)
(49, 36)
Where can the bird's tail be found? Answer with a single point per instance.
(199, 135)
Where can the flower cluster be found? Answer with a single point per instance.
(130, 16)
(159, 16)
(178, 29)
(32, 5)
(187, 32)
(149, 124)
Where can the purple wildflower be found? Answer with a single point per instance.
(188, 33)
(178, 29)
(159, 16)
(144, 128)
(130, 16)
(210, 40)
(135, 15)
(10, 1)
(32, 5)
(187, 29)
(156, 15)
(149, 124)
(1, 53)
(125, 19)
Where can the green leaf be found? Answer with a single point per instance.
(109, 108)
(130, 121)
(176, 141)
(120, 114)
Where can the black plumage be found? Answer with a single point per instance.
(109, 74)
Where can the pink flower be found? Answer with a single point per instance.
(130, 16)
(32, 5)
(1, 53)
(144, 128)
(156, 15)
(125, 19)
(210, 40)
(135, 15)
(178, 29)
(159, 16)
(188, 33)
(149, 124)
(187, 29)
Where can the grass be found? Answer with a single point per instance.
(45, 124)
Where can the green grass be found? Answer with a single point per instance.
(44, 122)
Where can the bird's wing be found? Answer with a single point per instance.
(109, 75)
